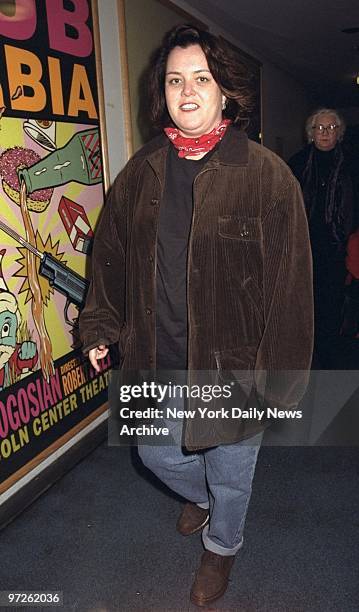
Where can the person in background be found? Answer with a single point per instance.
(327, 182)
(201, 262)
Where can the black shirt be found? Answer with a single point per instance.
(172, 245)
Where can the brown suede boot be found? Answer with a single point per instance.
(192, 519)
(211, 579)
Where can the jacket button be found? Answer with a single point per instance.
(148, 311)
(150, 360)
(154, 202)
(107, 263)
(150, 258)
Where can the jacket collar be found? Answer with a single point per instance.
(232, 151)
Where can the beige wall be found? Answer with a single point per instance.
(285, 107)
(113, 79)
(146, 23)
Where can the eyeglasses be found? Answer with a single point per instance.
(330, 129)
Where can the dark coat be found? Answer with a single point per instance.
(338, 214)
(249, 279)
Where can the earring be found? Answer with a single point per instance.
(224, 103)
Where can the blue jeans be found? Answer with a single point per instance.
(218, 478)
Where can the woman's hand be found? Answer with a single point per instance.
(97, 353)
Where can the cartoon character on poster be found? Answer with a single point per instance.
(17, 357)
(50, 202)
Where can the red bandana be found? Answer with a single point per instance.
(195, 146)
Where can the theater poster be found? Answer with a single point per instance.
(52, 184)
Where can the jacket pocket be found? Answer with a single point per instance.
(236, 368)
(236, 359)
(246, 229)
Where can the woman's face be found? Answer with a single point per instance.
(324, 137)
(194, 100)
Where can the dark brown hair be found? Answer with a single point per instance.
(226, 67)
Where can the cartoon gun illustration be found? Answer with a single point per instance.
(63, 279)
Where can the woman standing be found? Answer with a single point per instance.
(325, 177)
(202, 262)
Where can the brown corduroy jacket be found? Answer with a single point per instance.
(249, 276)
